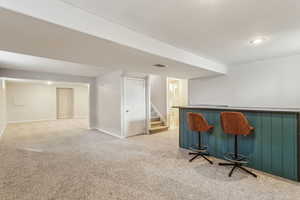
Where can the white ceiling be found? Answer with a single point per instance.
(32, 63)
(217, 29)
(26, 35)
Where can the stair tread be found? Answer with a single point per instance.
(154, 119)
(158, 128)
(156, 122)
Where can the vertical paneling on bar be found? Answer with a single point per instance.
(212, 139)
(184, 129)
(181, 133)
(297, 147)
(273, 147)
(218, 133)
(289, 128)
(256, 157)
(205, 136)
(266, 142)
(250, 144)
(276, 148)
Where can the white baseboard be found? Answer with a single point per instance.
(2, 131)
(109, 133)
(26, 121)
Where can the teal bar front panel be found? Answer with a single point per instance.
(272, 148)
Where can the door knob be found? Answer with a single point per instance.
(127, 111)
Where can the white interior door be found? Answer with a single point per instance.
(64, 103)
(135, 106)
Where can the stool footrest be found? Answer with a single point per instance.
(198, 149)
(239, 159)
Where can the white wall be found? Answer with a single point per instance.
(21, 74)
(109, 91)
(273, 83)
(37, 101)
(3, 120)
(158, 93)
(81, 101)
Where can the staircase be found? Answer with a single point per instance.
(157, 125)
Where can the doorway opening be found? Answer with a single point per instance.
(65, 103)
(135, 106)
(148, 104)
(177, 95)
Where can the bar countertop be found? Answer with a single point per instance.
(237, 108)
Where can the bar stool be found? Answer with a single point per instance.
(198, 123)
(235, 123)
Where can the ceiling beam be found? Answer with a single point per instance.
(60, 13)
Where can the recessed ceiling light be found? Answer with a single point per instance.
(159, 65)
(49, 83)
(257, 41)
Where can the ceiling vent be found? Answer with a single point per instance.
(159, 65)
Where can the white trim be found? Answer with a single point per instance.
(123, 102)
(109, 133)
(167, 100)
(27, 121)
(123, 106)
(180, 91)
(89, 105)
(148, 105)
(2, 131)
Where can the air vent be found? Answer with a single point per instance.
(159, 65)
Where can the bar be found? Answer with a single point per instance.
(272, 148)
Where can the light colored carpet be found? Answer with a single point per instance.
(62, 160)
